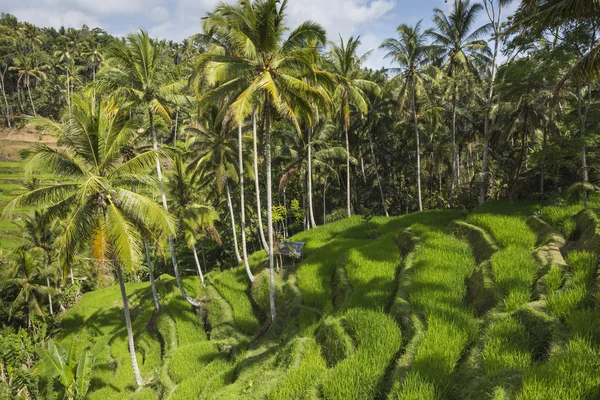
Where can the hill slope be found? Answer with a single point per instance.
(495, 304)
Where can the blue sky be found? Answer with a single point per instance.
(373, 20)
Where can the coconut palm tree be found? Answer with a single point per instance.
(345, 65)
(214, 164)
(97, 203)
(191, 209)
(460, 50)
(412, 53)
(64, 56)
(133, 71)
(28, 69)
(251, 62)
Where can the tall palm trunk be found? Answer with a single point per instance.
(198, 265)
(166, 207)
(134, 363)
(583, 112)
(454, 171)
(203, 256)
(31, 100)
(256, 181)
(2, 86)
(151, 273)
(243, 204)
(49, 296)
(349, 211)
(324, 202)
(376, 175)
(270, 214)
(68, 90)
(311, 213)
(231, 214)
(486, 123)
(414, 110)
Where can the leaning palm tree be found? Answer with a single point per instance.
(412, 53)
(97, 202)
(133, 71)
(460, 50)
(345, 64)
(250, 63)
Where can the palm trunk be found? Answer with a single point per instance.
(311, 213)
(4, 96)
(31, 100)
(414, 109)
(243, 204)
(486, 125)
(151, 273)
(324, 202)
(198, 265)
(454, 172)
(72, 278)
(193, 302)
(68, 90)
(583, 113)
(49, 296)
(270, 214)
(176, 125)
(348, 204)
(134, 363)
(256, 182)
(203, 256)
(377, 176)
(235, 242)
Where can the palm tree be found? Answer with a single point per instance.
(345, 65)
(27, 70)
(64, 56)
(460, 51)
(99, 208)
(191, 208)
(133, 71)
(31, 35)
(411, 52)
(251, 62)
(214, 165)
(26, 273)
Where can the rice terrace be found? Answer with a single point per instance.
(291, 199)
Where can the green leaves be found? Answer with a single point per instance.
(74, 376)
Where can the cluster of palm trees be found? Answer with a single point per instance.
(245, 87)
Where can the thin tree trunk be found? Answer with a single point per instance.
(414, 109)
(311, 213)
(4, 96)
(203, 257)
(583, 113)
(134, 363)
(348, 204)
(256, 181)
(151, 273)
(198, 265)
(270, 215)
(453, 179)
(231, 214)
(193, 302)
(176, 125)
(377, 176)
(68, 90)
(324, 202)
(49, 296)
(72, 278)
(486, 124)
(243, 204)
(31, 100)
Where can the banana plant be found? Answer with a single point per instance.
(73, 373)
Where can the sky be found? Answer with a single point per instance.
(373, 20)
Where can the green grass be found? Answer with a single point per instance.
(187, 361)
(506, 348)
(233, 285)
(441, 265)
(561, 217)
(377, 338)
(507, 230)
(568, 375)
(514, 271)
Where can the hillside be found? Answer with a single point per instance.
(440, 304)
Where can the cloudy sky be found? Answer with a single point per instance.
(373, 20)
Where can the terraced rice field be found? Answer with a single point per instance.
(497, 304)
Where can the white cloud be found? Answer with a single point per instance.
(109, 7)
(55, 18)
(342, 17)
(158, 14)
